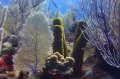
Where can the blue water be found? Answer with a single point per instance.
(5, 2)
(61, 4)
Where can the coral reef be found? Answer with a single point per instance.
(63, 64)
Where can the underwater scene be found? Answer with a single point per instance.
(59, 39)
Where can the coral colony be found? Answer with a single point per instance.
(59, 39)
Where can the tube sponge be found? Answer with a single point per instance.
(78, 52)
(58, 21)
(58, 45)
(80, 25)
(60, 34)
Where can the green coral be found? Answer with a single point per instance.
(65, 47)
(80, 25)
(58, 45)
(59, 33)
(58, 21)
(79, 45)
(64, 63)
